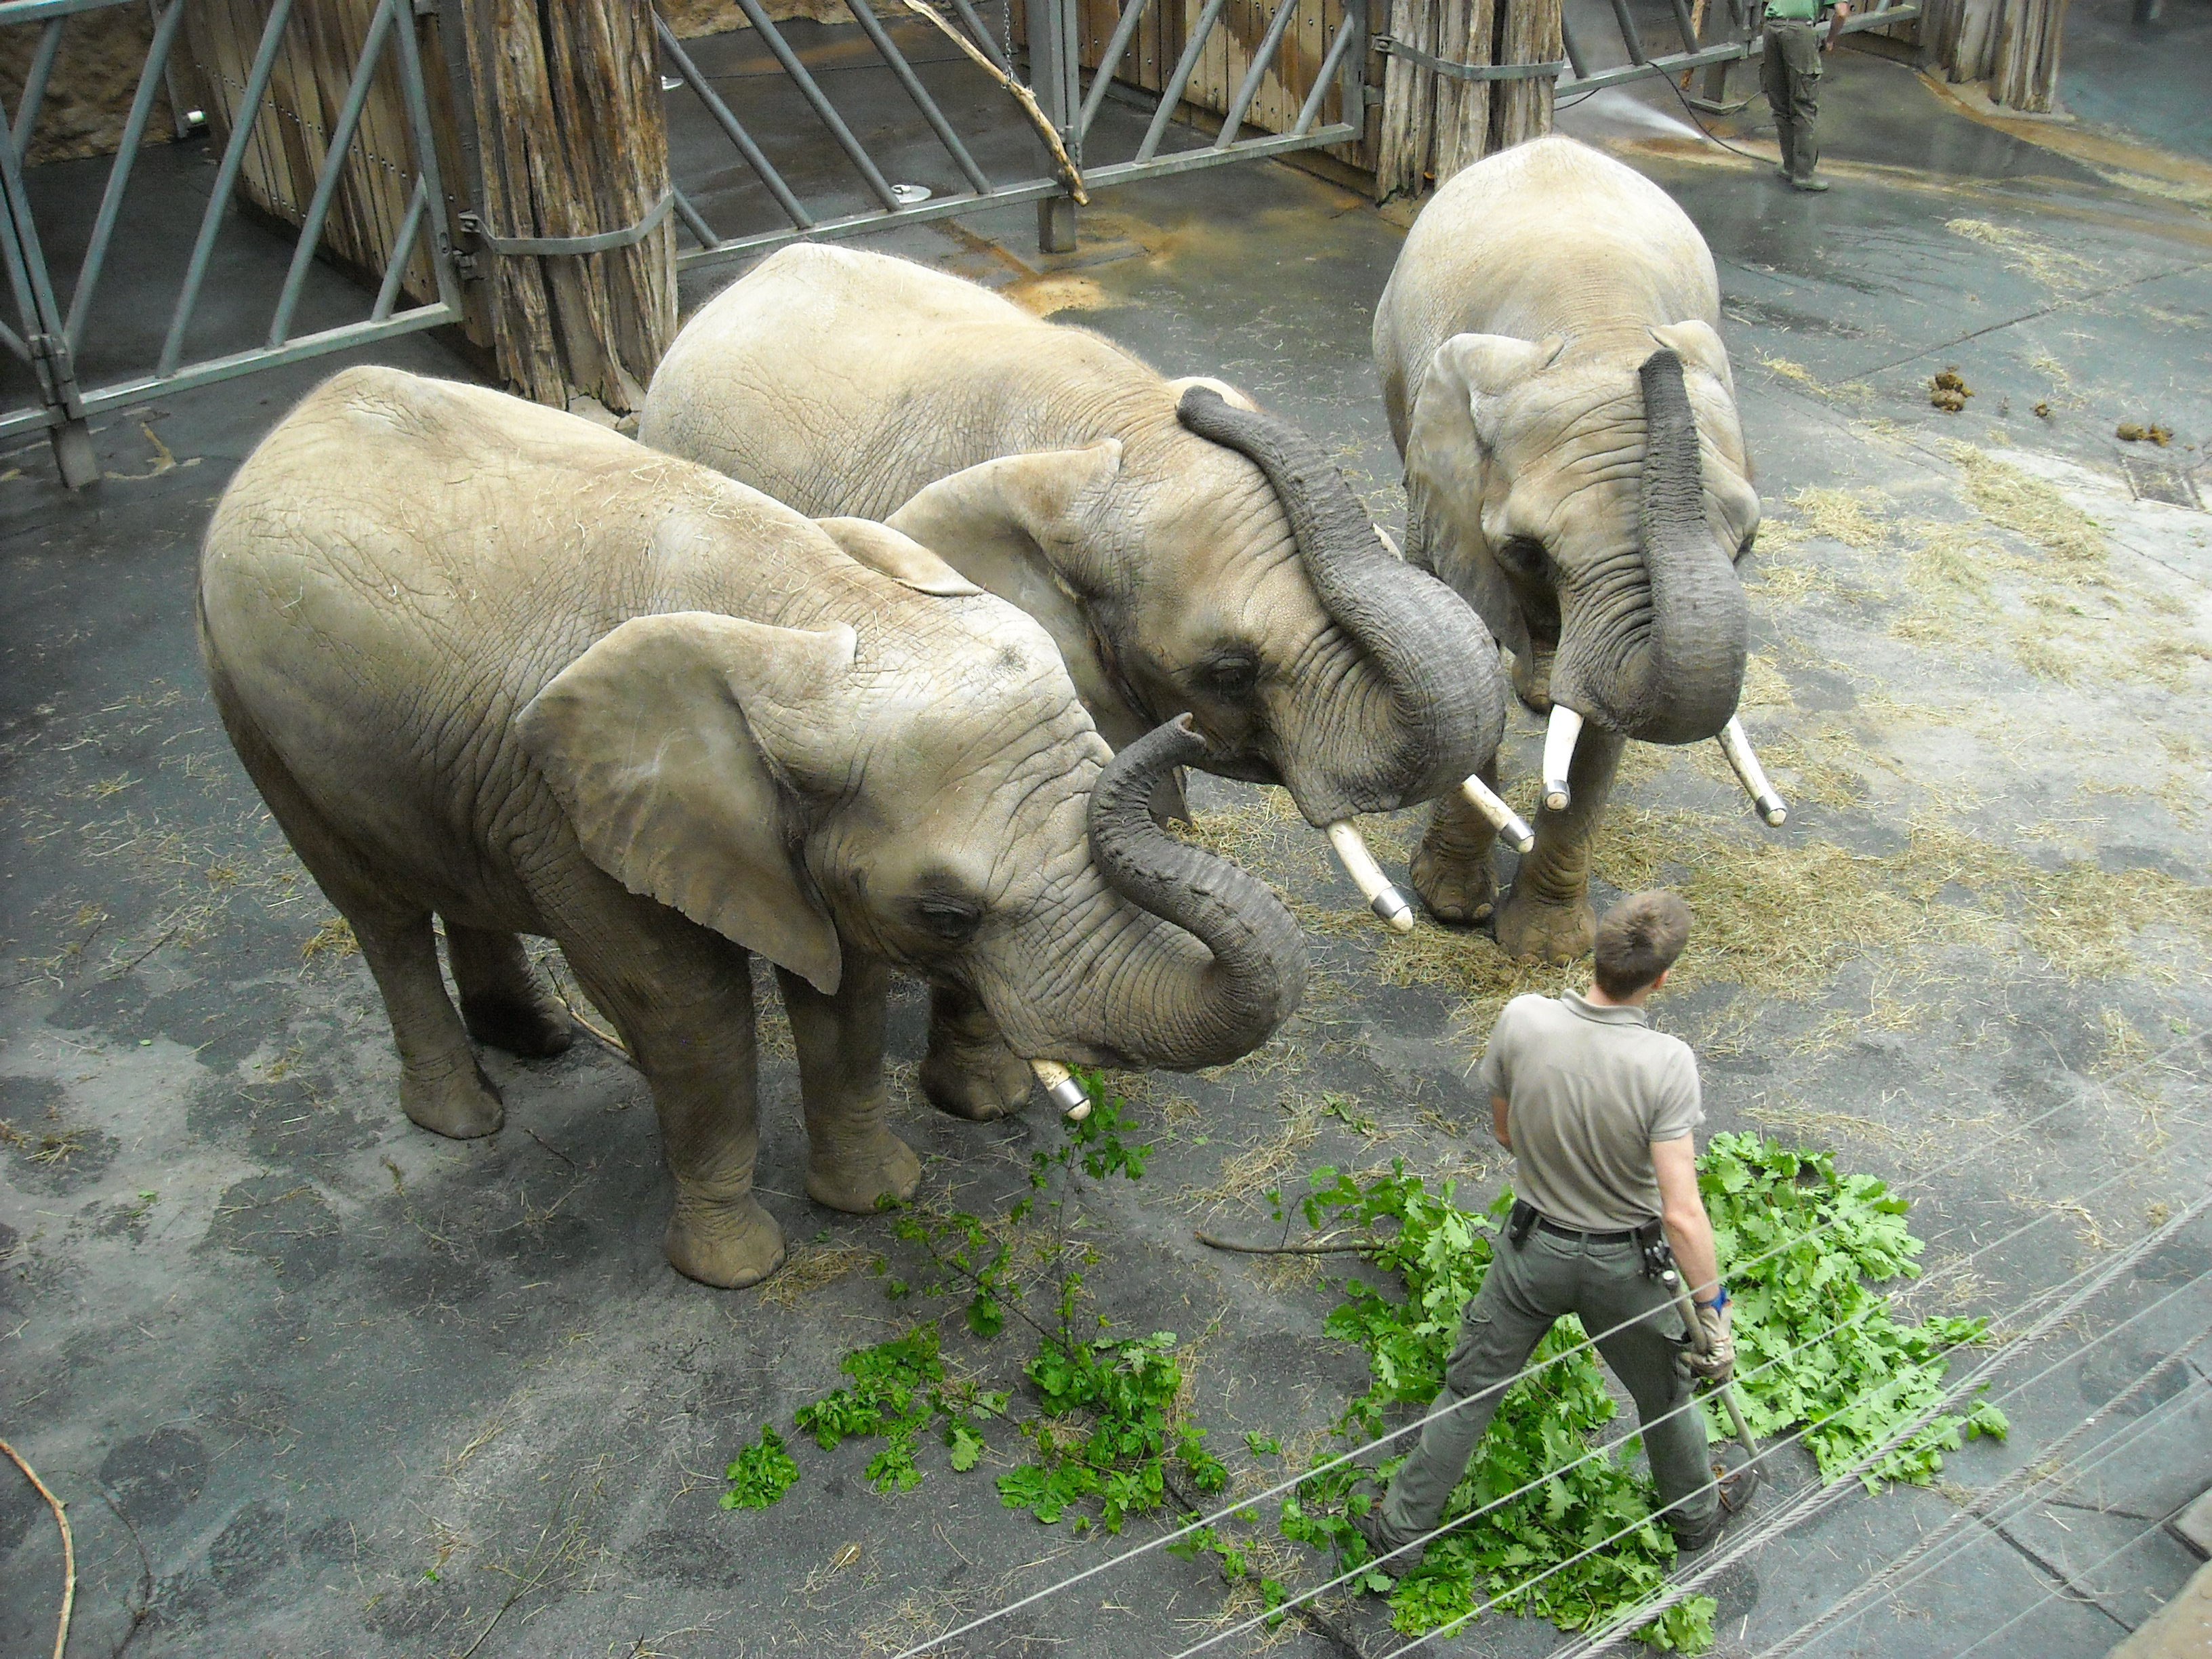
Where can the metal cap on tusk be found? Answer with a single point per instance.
(1753, 776)
(1559, 738)
(1503, 818)
(1072, 1099)
(1385, 901)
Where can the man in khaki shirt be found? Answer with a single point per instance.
(1597, 1110)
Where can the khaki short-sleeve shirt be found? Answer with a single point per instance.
(1588, 1089)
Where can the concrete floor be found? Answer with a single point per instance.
(355, 1391)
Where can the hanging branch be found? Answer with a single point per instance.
(1070, 175)
(69, 1545)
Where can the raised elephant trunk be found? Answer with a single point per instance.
(1699, 617)
(1435, 656)
(1258, 970)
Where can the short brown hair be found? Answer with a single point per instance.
(1639, 940)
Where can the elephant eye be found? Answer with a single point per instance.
(1521, 554)
(1230, 673)
(952, 919)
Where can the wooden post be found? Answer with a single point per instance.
(567, 96)
(2024, 75)
(1401, 161)
(1528, 32)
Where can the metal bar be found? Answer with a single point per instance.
(1249, 88)
(226, 177)
(1352, 74)
(34, 82)
(1629, 37)
(1572, 47)
(403, 249)
(1032, 190)
(334, 162)
(118, 173)
(1172, 94)
(982, 36)
(426, 162)
(454, 45)
(784, 55)
(1683, 25)
(1354, 27)
(30, 11)
(14, 342)
(732, 127)
(34, 292)
(1125, 28)
(248, 361)
(692, 223)
(865, 16)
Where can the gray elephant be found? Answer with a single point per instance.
(1555, 381)
(487, 661)
(1185, 551)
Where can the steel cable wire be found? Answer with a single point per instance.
(1589, 1341)
(1642, 1614)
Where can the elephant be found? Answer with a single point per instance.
(1186, 551)
(1551, 367)
(490, 662)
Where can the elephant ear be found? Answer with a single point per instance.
(659, 744)
(1021, 528)
(1699, 344)
(901, 557)
(1221, 389)
(1449, 465)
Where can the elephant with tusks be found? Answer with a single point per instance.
(1555, 381)
(489, 662)
(1186, 551)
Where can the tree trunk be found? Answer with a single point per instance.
(1402, 164)
(1528, 32)
(567, 94)
(1463, 36)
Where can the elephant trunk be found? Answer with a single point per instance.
(1258, 971)
(1437, 662)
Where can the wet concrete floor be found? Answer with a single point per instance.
(315, 1382)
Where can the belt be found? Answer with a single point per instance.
(1626, 1237)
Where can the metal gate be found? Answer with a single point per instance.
(83, 356)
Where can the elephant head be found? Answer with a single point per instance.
(1211, 559)
(927, 791)
(1593, 498)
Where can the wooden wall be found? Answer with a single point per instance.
(2013, 44)
(88, 92)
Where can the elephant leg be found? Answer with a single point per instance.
(441, 1087)
(969, 1071)
(502, 1003)
(1451, 867)
(853, 1159)
(681, 999)
(1547, 916)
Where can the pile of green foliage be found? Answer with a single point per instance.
(1816, 1346)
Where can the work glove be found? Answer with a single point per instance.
(1718, 1364)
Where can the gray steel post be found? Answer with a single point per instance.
(1053, 54)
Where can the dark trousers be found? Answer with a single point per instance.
(1525, 1291)
(1790, 72)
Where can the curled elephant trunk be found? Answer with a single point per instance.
(1258, 970)
(1437, 662)
(1699, 617)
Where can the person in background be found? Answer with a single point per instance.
(1597, 1110)
(1789, 72)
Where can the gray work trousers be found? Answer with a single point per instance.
(1789, 74)
(1525, 1291)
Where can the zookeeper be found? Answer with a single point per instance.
(1790, 73)
(1596, 1108)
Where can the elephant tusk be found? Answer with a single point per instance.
(1753, 776)
(1559, 738)
(1383, 536)
(1385, 900)
(1503, 818)
(1060, 1087)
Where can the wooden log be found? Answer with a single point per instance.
(567, 96)
(2024, 69)
(1528, 32)
(1402, 163)
(1465, 34)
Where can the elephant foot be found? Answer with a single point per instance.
(729, 1245)
(1457, 887)
(1530, 930)
(857, 1177)
(461, 1105)
(979, 1081)
(536, 1030)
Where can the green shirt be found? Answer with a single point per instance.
(1794, 11)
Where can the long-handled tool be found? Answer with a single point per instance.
(1673, 1280)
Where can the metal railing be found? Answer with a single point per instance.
(1056, 97)
(51, 340)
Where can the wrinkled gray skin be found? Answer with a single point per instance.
(1549, 355)
(489, 662)
(1187, 552)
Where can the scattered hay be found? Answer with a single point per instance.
(810, 1269)
(2030, 507)
(1765, 686)
(1803, 378)
(334, 940)
(1817, 1127)
(1844, 515)
(2053, 267)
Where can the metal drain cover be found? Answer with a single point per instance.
(2157, 478)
